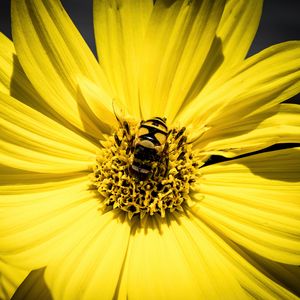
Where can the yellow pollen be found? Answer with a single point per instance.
(165, 189)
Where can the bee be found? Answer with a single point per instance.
(150, 148)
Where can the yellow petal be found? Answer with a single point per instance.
(33, 142)
(254, 86)
(13, 80)
(33, 287)
(237, 29)
(38, 221)
(6, 61)
(119, 32)
(101, 104)
(233, 39)
(53, 53)
(175, 260)
(287, 275)
(282, 125)
(91, 270)
(257, 282)
(10, 278)
(255, 202)
(177, 40)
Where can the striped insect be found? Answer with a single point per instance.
(150, 148)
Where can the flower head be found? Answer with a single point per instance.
(109, 174)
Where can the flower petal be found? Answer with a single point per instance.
(233, 39)
(237, 29)
(93, 267)
(10, 278)
(53, 53)
(33, 142)
(173, 260)
(13, 80)
(101, 104)
(252, 277)
(6, 61)
(119, 32)
(33, 287)
(258, 84)
(255, 202)
(177, 40)
(38, 221)
(286, 275)
(254, 133)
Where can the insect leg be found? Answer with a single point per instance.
(180, 133)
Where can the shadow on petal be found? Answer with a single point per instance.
(33, 287)
(281, 165)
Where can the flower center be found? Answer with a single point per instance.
(146, 169)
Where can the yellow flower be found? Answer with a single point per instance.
(73, 196)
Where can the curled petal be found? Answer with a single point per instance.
(255, 202)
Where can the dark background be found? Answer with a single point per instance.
(280, 22)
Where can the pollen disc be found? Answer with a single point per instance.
(165, 187)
